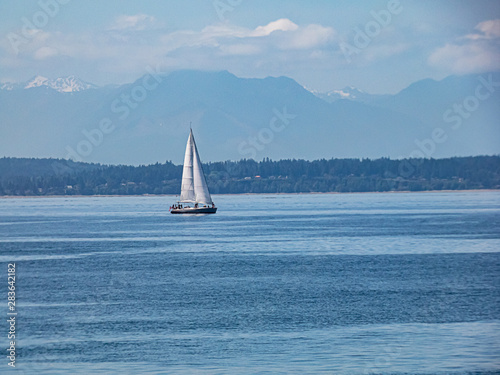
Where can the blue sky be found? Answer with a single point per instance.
(315, 42)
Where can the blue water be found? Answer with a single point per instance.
(271, 284)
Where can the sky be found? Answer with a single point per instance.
(377, 46)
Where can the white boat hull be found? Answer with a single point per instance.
(192, 210)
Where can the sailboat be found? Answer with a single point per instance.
(195, 196)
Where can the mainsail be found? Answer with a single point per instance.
(187, 187)
(194, 187)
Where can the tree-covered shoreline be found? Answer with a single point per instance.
(42, 177)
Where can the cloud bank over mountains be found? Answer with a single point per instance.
(399, 50)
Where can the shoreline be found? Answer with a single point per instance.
(232, 194)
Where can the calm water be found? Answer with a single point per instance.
(271, 284)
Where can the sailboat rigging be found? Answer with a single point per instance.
(194, 188)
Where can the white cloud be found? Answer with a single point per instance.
(282, 24)
(487, 30)
(310, 36)
(468, 58)
(131, 44)
(473, 53)
(223, 31)
(282, 33)
(135, 22)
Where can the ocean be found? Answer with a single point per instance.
(394, 283)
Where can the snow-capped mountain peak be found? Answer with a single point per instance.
(36, 82)
(341, 93)
(70, 84)
(7, 86)
(347, 93)
(63, 84)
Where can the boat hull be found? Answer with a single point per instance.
(192, 210)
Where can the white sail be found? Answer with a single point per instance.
(200, 183)
(187, 187)
(194, 187)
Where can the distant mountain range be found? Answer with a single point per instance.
(234, 118)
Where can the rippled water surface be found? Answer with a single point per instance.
(276, 284)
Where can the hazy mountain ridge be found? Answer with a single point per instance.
(236, 118)
(34, 168)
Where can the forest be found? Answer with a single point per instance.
(39, 177)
